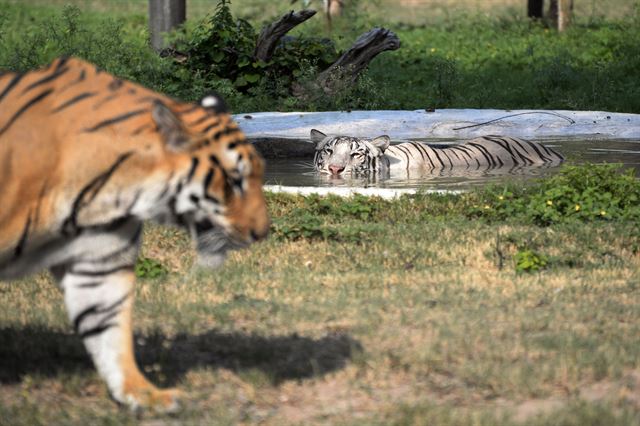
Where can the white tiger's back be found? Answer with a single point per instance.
(486, 151)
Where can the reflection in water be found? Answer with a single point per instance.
(299, 172)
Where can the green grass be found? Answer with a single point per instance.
(454, 60)
(424, 318)
(485, 63)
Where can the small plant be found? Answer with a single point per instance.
(530, 261)
(357, 207)
(446, 82)
(302, 224)
(147, 267)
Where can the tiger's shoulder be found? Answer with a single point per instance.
(67, 91)
(71, 96)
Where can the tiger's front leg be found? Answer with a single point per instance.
(99, 303)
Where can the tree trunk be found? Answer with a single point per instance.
(271, 34)
(535, 8)
(164, 15)
(349, 66)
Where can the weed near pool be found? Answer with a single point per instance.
(583, 193)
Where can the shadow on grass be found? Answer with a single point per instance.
(44, 353)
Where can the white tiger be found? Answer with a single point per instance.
(341, 155)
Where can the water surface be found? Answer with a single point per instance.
(299, 172)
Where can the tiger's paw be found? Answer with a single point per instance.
(151, 398)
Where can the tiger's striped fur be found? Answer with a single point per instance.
(85, 158)
(341, 155)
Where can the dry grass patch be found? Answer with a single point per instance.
(418, 322)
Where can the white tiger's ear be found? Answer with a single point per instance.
(381, 142)
(169, 126)
(317, 137)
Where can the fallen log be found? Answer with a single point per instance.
(348, 67)
(272, 33)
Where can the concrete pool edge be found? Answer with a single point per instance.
(443, 123)
(386, 193)
(286, 134)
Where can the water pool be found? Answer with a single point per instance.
(298, 172)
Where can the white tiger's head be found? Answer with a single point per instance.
(342, 155)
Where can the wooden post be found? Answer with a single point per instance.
(534, 8)
(164, 15)
(560, 13)
(565, 7)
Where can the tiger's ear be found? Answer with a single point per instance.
(317, 137)
(169, 126)
(381, 142)
(214, 103)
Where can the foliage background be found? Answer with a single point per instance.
(466, 54)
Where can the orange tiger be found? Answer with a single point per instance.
(85, 158)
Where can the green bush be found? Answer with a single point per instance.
(32, 37)
(147, 267)
(586, 193)
(356, 207)
(222, 47)
(303, 224)
(530, 261)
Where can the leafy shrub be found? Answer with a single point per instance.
(222, 47)
(446, 82)
(530, 261)
(147, 267)
(301, 224)
(586, 192)
(357, 206)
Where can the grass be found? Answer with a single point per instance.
(424, 318)
(457, 59)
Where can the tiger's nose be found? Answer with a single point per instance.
(335, 170)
